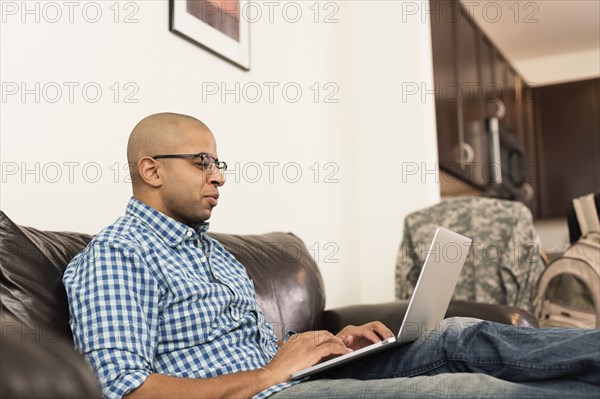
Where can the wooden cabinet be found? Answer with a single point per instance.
(446, 91)
(510, 120)
(489, 89)
(549, 137)
(472, 135)
(488, 86)
(458, 101)
(567, 118)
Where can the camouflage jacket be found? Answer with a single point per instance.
(504, 262)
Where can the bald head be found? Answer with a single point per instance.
(183, 188)
(164, 133)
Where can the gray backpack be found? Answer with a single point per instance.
(568, 291)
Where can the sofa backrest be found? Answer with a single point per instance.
(287, 280)
(32, 263)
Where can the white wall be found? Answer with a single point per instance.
(392, 128)
(554, 234)
(561, 68)
(353, 223)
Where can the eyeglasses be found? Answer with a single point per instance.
(207, 163)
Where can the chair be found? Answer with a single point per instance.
(504, 261)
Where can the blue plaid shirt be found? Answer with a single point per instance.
(153, 295)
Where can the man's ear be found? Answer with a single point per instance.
(148, 171)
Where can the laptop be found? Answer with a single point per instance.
(429, 301)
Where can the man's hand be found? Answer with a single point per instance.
(305, 350)
(356, 337)
(309, 348)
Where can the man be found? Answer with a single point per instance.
(160, 309)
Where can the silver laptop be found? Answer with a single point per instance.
(428, 303)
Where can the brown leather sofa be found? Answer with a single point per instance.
(37, 356)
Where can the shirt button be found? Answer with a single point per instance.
(203, 259)
(189, 233)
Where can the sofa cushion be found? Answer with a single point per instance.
(32, 263)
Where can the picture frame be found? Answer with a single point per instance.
(218, 26)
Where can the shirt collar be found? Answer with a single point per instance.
(168, 229)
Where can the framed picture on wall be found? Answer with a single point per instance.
(218, 26)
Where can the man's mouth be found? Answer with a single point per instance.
(212, 199)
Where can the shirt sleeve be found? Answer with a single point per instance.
(113, 305)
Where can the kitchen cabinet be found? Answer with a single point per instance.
(446, 92)
(466, 59)
(473, 145)
(567, 118)
(546, 147)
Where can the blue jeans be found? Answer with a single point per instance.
(471, 358)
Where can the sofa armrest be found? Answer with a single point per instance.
(391, 314)
(38, 363)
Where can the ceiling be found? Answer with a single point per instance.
(525, 29)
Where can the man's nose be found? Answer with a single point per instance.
(217, 178)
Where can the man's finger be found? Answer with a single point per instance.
(382, 330)
(320, 336)
(331, 348)
(369, 334)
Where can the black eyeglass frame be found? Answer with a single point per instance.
(213, 162)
